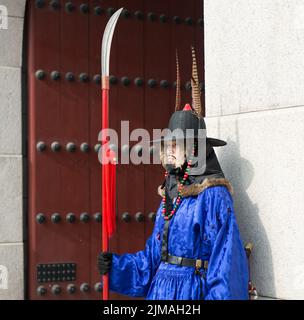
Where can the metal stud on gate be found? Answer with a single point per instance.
(152, 150)
(84, 217)
(83, 77)
(113, 80)
(189, 21)
(70, 217)
(56, 289)
(84, 147)
(85, 287)
(152, 16)
(41, 146)
(55, 75)
(69, 76)
(139, 217)
(40, 4)
(40, 218)
(110, 11)
(152, 216)
(98, 287)
(138, 150)
(71, 288)
(71, 147)
(55, 4)
(177, 19)
(163, 18)
(125, 149)
(97, 147)
(139, 15)
(55, 146)
(125, 81)
(125, 13)
(97, 78)
(84, 8)
(40, 74)
(97, 217)
(164, 84)
(152, 83)
(69, 7)
(126, 217)
(188, 85)
(138, 82)
(98, 11)
(55, 218)
(113, 147)
(41, 291)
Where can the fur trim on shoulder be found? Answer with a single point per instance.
(196, 188)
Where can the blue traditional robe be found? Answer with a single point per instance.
(204, 227)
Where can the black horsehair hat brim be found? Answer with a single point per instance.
(212, 141)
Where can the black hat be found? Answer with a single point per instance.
(191, 116)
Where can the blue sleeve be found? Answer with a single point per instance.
(131, 273)
(227, 274)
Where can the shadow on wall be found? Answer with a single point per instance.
(240, 172)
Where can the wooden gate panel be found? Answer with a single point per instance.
(41, 133)
(65, 111)
(130, 106)
(75, 129)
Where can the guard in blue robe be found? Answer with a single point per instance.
(196, 253)
(203, 227)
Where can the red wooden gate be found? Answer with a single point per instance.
(63, 62)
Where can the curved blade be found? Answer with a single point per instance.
(106, 42)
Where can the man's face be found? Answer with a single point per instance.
(174, 153)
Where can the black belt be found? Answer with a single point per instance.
(197, 263)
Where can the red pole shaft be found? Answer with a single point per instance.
(105, 238)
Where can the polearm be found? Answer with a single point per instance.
(107, 169)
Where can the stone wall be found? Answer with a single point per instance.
(11, 181)
(254, 69)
